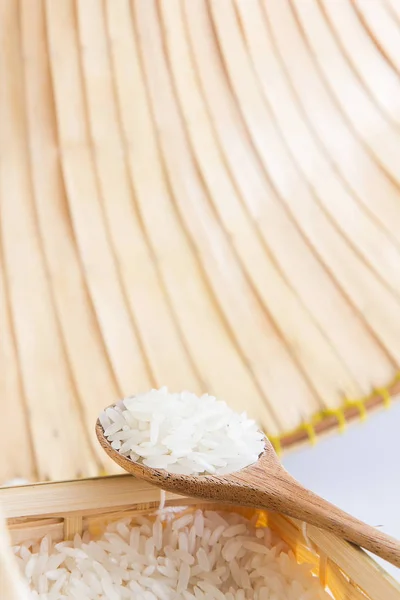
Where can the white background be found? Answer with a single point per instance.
(359, 471)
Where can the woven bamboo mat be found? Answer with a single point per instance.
(199, 194)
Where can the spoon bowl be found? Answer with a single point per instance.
(264, 484)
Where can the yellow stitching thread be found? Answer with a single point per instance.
(276, 442)
(385, 395)
(340, 416)
(360, 405)
(312, 434)
(339, 413)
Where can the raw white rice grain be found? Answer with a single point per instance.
(109, 589)
(104, 420)
(163, 497)
(198, 593)
(214, 517)
(192, 539)
(256, 547)
(234, 530)
(245, 579)
(216, 534)
(183, 556)
(113, 428)
(183, 541)
(182, 522)
(236, 573)
(160, 462)
(211, 589)
(206, 537)
(54, 574)
(183, 579)
(231, 550)
(203, 559)
(199, 523)
(157, 534)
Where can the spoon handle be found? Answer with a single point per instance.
(300, 503)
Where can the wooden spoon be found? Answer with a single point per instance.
(265, 484)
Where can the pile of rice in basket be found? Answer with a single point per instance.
(194, 555)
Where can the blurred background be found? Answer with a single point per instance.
(204, 195)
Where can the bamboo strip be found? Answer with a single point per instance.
(22, 463)
(393, 8)
(80, 496)
(72, 526)
(382, 30)
(341, 587)
(369, 66)
(36, 531)
(324, 567)
(293, 535)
